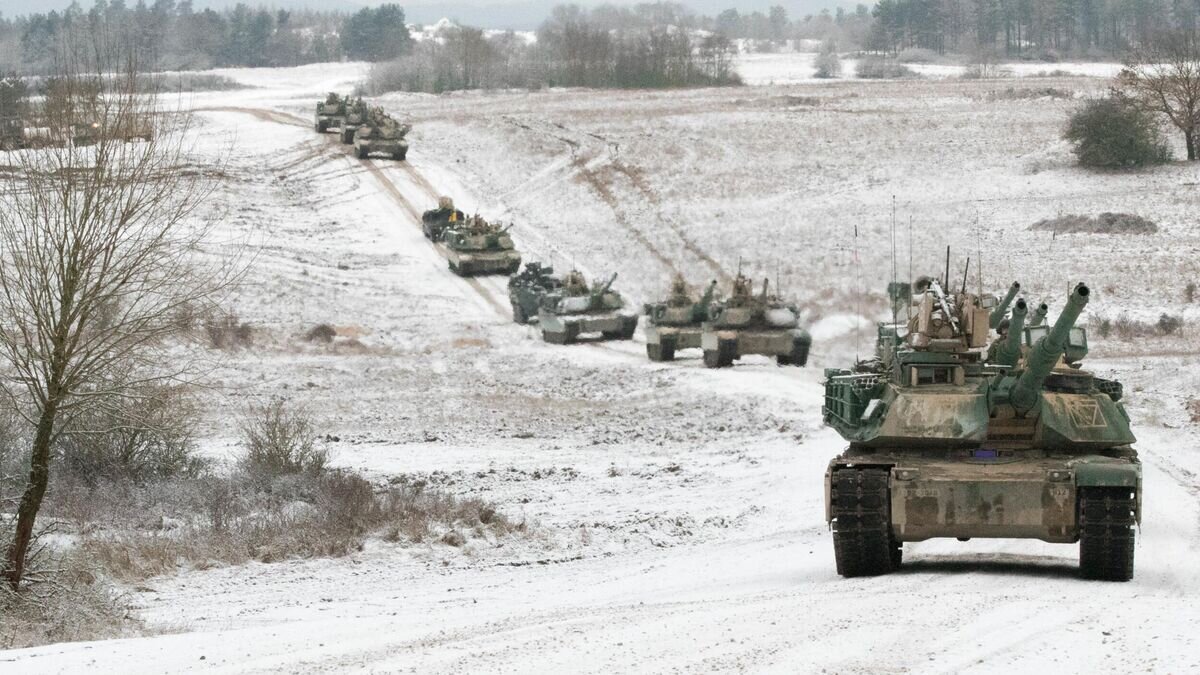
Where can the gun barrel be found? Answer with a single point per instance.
(1046, 352)
(1039, 315)
(1010, 349)
(1002, 309)
(607, 285)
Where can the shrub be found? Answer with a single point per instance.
(1169, 324)
(827, 63)
(226, 332)
(148, 436)
(280, 441)
(1113, 133)
(321, 332)
(1105, 223)
(1189, 293)
(875, 68)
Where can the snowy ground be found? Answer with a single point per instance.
(678, 511)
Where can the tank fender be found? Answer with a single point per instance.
(1107, 474)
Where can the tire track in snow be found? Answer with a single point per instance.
(389, 187)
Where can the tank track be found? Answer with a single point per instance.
(1106, 533)
(861, 510)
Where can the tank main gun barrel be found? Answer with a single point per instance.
(1046, 352)
(607, 285)
(1002, 309)
(1039, 315)
(1010, 349)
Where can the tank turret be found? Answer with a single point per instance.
(1046, 352)
(1002, 309)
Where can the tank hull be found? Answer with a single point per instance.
(396, 149)
(972, 494)
(723, 345)
(566, 328)
(468, 263)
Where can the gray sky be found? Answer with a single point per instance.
(518, 14)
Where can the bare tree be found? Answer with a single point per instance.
(97, 260)
(1165, 78)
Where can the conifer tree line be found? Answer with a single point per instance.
(1039, 29)
(174, 35)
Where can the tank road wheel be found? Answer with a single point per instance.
(664, 351)
(570, 332)
(862, 537)
(630, 327)
(1106, 536)
(726, 353)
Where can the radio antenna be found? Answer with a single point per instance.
(965, 271)
(895, 279)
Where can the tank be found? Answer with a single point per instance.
(475, 246)
(12, 133)
(526, 290)
(576, 309)
(329, 113)
(380, 134)
(678, 322)
(435, 222)
(746, 323)
(946, 444)
(356, 115)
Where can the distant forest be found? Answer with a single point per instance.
(170, 35)
(598, 46)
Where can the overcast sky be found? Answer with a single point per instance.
(517, 14)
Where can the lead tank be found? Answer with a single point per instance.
(944, 444)
(753, 324)
(576, 308)
(678, 322)
(475, 246)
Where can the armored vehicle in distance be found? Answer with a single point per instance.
(475, 246)
(944, 444)
(356, 115)
(330, 113)
(380, 134)
(434, 222)
(526, 290)
(676, 323)
(576, 308)
(746, 323)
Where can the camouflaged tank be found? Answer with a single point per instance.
(527, 288)
(746, 323)
(355, 117)
(475, 246)
(435, 222)
(576, 308)
(678, 322)
(330, 113)
(945, 443)
(381, 135)
(12, 133)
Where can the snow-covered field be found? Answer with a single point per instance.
(677, 512)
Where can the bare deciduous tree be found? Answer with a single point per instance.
(97, 259)
(1165, 78)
